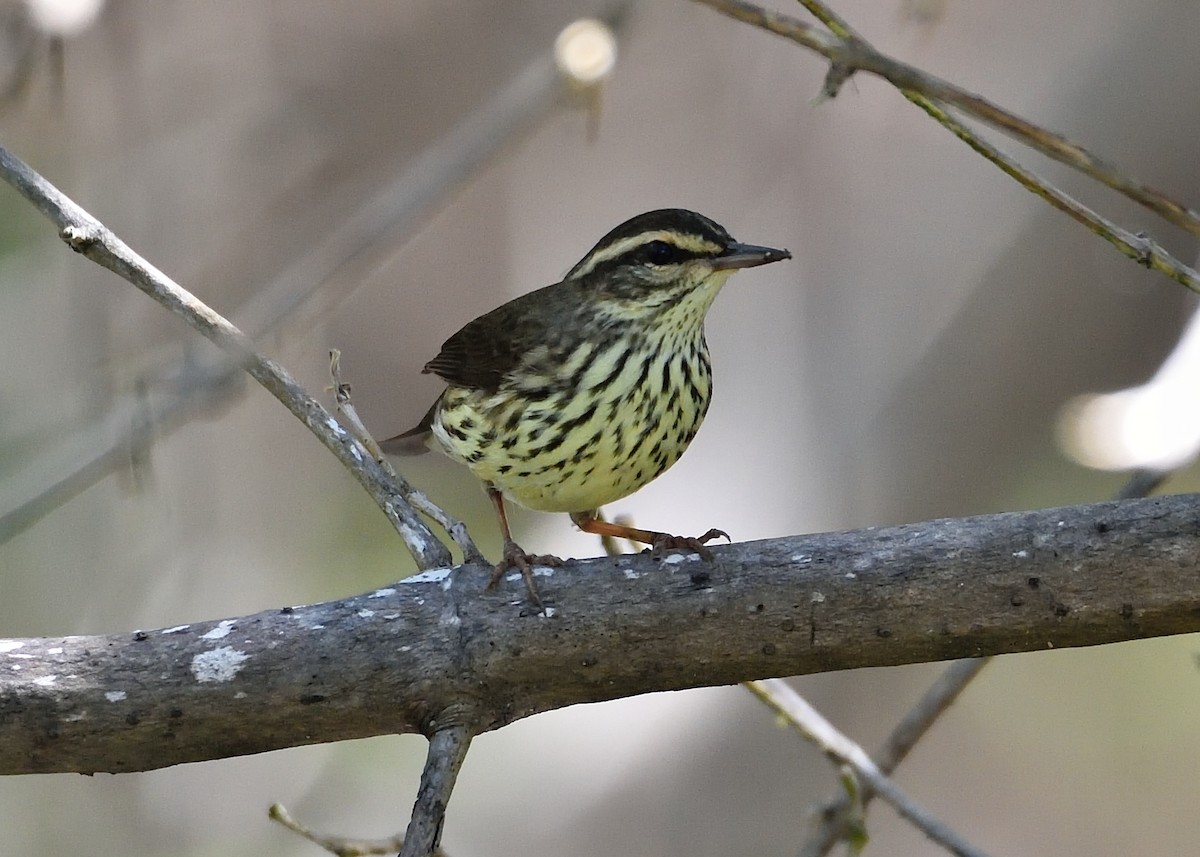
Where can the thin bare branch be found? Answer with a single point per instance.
(853, 54)
(779, 696)
(842, 815)
(455, 528)
(342, 846)
(89, 237)
(1140, 248)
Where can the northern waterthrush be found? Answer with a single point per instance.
(578, 394)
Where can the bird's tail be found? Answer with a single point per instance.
(415, 441)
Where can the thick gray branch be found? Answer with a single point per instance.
(436, 651)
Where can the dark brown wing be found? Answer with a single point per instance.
(478, 356)
(491, 346)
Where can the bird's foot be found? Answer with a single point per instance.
(663, 542)
(515, 558)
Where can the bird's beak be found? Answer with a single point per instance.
(747, 256)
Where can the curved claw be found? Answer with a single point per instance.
(515, 558)
(664, 542)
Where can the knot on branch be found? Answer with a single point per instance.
(80, 238)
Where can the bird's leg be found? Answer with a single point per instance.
(659, 542)
(513, 556)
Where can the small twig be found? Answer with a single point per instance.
(89, 237)
(447, 750)
(343, 846)
(780, 697)
(856, 55)
(455, 528)
(842, 815)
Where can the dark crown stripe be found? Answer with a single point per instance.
(689, 232)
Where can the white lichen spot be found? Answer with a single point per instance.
(1021, 554)
(391, 616)
(178, 629)
(218, 664)
(850, 575)
(630, 574)
(412, 538)
(115, 695)
(433, 575)
(222, 630)
(22, 657)
(316, 627)
(383, 593)
(677, 558)
(549, 613)
(536, 571)
(241, 694)
(334, 426)
(57, 650)
(802, 558)
(354, 452)
(406, 648)
(365, 614)
(45, 680)
(10, 645)
(862, 563)
(817, 598)
(1062, 523)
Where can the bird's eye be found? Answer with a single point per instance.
(659, 253)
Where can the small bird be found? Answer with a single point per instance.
(578, 394)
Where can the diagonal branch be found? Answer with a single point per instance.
(89, 237)
(780, 697)
(851, 54)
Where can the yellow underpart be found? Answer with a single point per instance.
(580, 448)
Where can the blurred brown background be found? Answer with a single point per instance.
(909, 363)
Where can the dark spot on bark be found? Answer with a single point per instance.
(700, 578)
(883, 632)
(1033, 582)
(1101, 527)
(140, 636)
(310, 698)
(787, 625)
(287, 611)
(1061, 609)
(1016, 600)
(1127, 611)
(175, 713)
(758, 608)
(768, 649)
(133, 718)
(589, 661)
